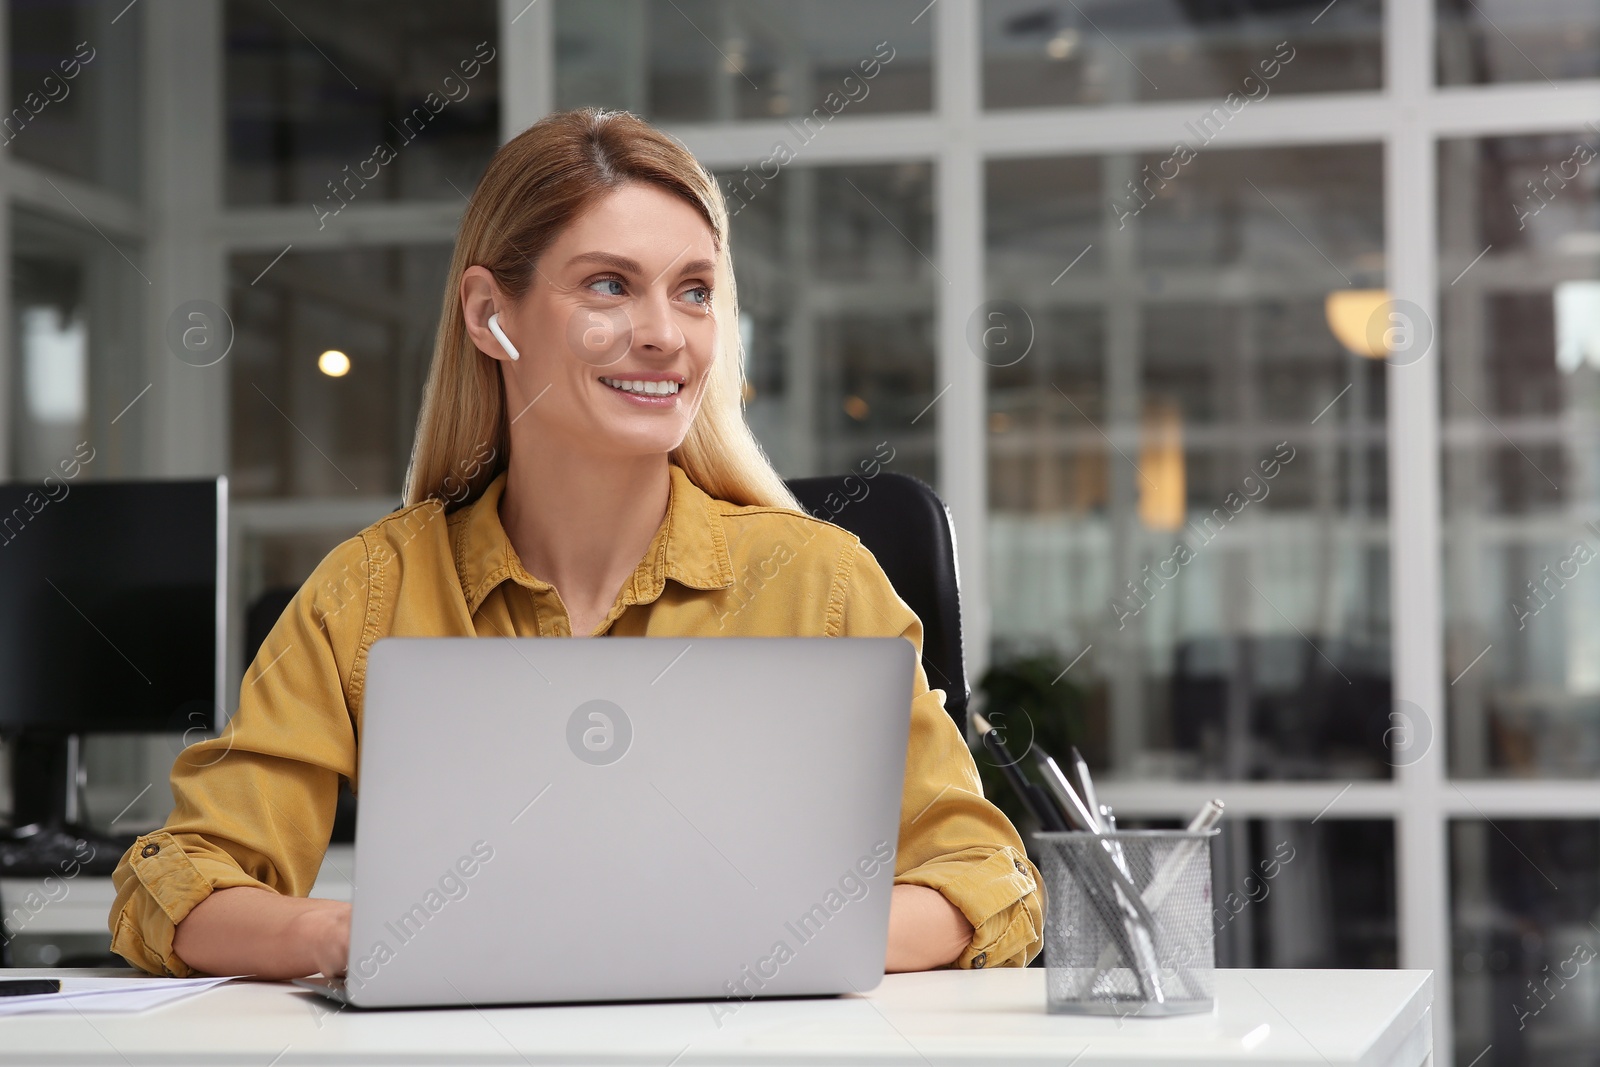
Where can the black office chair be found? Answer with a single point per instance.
(259, 619)
(907, 527)
(261, 616)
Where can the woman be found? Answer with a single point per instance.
(581, 467)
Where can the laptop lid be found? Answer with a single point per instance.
(626, 818)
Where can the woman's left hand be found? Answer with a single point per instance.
(925, 930)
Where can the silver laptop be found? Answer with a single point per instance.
(625, 818)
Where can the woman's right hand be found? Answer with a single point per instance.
(246, 930)
(323, 931)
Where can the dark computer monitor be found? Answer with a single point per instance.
(112, 618)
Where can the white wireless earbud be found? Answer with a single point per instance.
(500, 335)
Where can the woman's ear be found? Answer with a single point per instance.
(481, 306)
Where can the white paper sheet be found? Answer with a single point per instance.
(98, 995)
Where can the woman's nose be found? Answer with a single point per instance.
(654, 326)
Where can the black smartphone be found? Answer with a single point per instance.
(28, 987)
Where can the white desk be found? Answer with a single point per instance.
(1267, 1018)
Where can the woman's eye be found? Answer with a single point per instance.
(615, 286)
(700, 294)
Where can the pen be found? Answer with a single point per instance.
(1167, 876)
(1123, 900)
(1102, 825)
(1031, 796)
(1097, 811)
(1209, 815)
(1043, 805)
(1080, 767)
(1072, 805)
(28, 987)
(1172, 868)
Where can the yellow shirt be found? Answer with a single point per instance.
(255, 806)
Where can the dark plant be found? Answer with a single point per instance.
(1033, 707)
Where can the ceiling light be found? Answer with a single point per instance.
(1062, 44)
(334, 363)
(1350, 316)
(1163, 492)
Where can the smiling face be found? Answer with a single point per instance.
(616, 332)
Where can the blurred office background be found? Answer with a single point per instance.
(1101, 271)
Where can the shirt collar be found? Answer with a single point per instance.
(690, 547)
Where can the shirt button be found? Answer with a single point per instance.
(1018, 865)
(149, 850)
(979, 960)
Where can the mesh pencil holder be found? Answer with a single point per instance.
(1128, 930)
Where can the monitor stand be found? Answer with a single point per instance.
(47, 835)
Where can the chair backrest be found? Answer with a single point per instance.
(261, 616)
(907, 527)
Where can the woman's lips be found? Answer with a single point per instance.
(649, 400)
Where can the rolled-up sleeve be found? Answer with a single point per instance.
(951, 838)
(255, 806)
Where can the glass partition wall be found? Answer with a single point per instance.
(1238, 416)
(1252, 346)
(1187, 472)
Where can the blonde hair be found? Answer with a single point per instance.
(536, 184)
